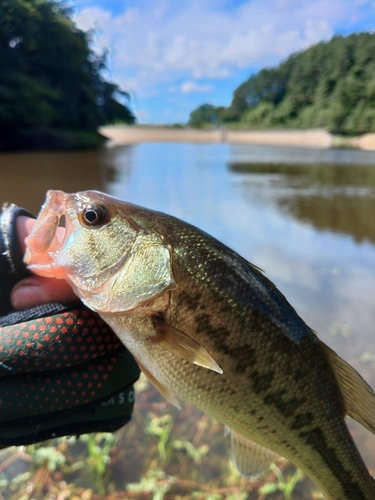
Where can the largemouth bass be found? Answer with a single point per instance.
(208, 328)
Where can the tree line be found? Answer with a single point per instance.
(49, 76)
(329, 85)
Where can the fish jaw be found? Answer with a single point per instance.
(45, 241)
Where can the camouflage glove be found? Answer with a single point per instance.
(62, 369)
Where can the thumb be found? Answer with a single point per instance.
(35, 290)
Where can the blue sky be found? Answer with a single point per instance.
(174, 55)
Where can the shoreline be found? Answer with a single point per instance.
(312, 138)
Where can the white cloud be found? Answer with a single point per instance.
(189, 87)
(156, 44)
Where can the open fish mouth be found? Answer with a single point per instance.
(51, 230)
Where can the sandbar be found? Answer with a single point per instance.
(313, 138)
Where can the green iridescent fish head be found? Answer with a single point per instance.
(114, 261)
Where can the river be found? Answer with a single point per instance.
(306, 217)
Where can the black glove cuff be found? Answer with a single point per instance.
(12, 268)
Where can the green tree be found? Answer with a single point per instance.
(331, 85)
(269, 85)
(204, 114)
(49, 77)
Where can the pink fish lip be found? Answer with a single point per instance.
(46, 238)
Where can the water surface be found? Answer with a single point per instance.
(306, 217)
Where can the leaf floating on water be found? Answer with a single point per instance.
(183, 346)
(368, 356)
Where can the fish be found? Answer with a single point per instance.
(208, 328)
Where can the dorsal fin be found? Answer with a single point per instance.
(358, 397)
(180, 344)
(251, 459)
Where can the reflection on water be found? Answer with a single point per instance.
(310, 226)
(304, 216)
(25, 177)
(303, 156)
(340, 198)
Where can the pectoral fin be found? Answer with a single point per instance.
(180, 344)
(164, 391)
(251, 459)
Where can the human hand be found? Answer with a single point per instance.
(60, 358)
(35, 290)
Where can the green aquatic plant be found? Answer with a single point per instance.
(285, 484)
(99, 446)
(49, 457)
(160, 427)
(161, 454)
(196, 453)
(155, 482)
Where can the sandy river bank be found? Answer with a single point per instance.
(319, 138)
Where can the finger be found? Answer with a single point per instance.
(24, 228)
(36, 290)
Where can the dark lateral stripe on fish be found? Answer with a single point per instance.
(316, 439)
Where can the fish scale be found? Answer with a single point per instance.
(208, 328)
(258, 417)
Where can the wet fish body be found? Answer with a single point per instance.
(208, 328)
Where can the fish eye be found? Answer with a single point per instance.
(94, 215)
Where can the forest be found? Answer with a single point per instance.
(52, 93)
(330, 85)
